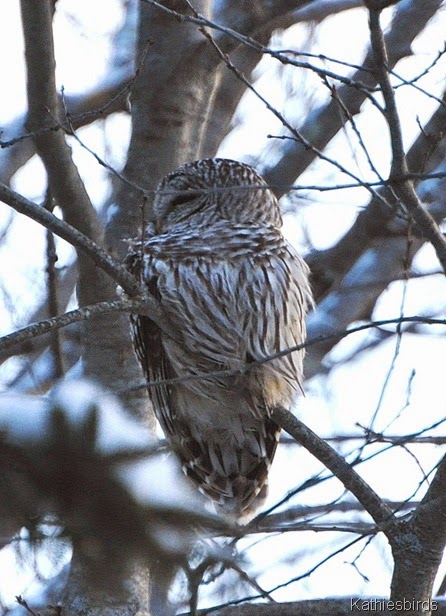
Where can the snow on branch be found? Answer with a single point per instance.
(76, 456)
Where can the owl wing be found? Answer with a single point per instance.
(148, 346)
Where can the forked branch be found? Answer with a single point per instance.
(402, 185)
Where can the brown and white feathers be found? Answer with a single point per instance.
(235, 292)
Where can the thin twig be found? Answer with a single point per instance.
(372, 503)
(25, 605)
(339, 335)
(295, 134)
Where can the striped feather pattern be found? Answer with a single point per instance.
(236, 292)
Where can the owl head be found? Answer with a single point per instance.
(214, 190)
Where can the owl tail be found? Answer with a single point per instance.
(232, 474)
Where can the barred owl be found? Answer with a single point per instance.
(235, 292)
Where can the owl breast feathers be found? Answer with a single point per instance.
(235, 292)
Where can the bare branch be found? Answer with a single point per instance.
(241, 21)
(64, 180)
(403, 187)
(418, 552)
(108, 96)
(32, 348)
(372, 503)
(324, 123)
(295, 134)
(77, 239)
(294, 516)
(55, 323)
(328, 266)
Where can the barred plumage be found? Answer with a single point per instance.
(236, 292)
